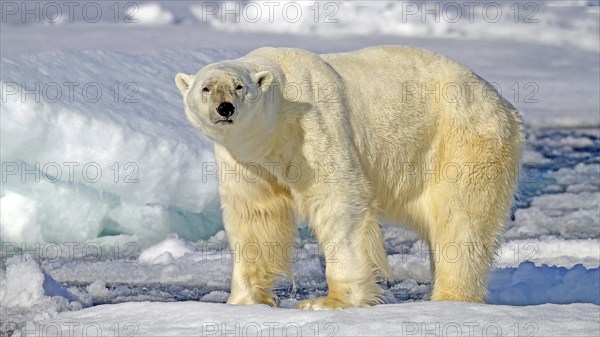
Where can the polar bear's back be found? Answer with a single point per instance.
(393, 124)
(393, 82)
(380, 58)
(414, 73)
(401, 64)
(406, 85)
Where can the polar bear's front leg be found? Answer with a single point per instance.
(348, 231)
(258, 218)
(260, 230)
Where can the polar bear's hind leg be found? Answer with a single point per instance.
(469, 214)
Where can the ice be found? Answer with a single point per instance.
(175, 269)
(413, 265)
(215, 296)
(19, 293)
(566, 214)
(86, 168)
(570, 23)
(578, 175)
(537, 22)
(530, 284)
(534, 157)
(97, 290)
(416, 319)
(166, 251)
(554, 251)
(29, 293)
(18, 215)
(50, 212)
(150, 14)
(571, 210)
(150, 227)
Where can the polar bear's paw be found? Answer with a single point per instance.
(323, 303)
(270, 300)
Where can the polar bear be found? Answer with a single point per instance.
(347, 141)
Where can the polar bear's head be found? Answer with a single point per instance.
(228, 98)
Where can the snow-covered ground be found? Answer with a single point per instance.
(108, 196)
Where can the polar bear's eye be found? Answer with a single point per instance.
(239, 87)
(205, 89)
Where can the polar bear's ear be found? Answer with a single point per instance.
(264, 80)
(183, 82)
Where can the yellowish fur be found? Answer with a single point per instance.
(375, 137)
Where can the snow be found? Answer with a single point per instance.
(149, 176)
(150, 14)
(185, 271)
(110, 217)
(570, 214)
(18, 293)
(165, 251)
(574, 26)
(29, 293)
(555, 251)
(35, 297)
(186, 318)
(411, 319)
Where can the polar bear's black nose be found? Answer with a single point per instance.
(226, 109)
